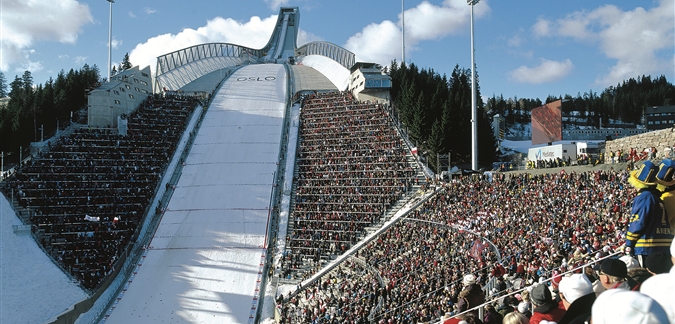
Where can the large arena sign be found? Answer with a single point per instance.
(267, 78)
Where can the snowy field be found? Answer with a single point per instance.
(32, 288)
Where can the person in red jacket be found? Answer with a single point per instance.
(545, 308)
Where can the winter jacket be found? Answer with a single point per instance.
(470, 297)
(649, 230)
(579, 309)
(668, 198)
(549, 311)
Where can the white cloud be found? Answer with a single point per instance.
(541, 28)
(381, 42)
(150, 11)
(132, 14)
(59, 21)
(515, 41)
(29, 66)
(547, 71)
(254, 34)
(80, 60)
(377, 42)
(636, 39)
(115, 43)
(276, 4)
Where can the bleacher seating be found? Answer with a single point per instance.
(352, 168)
(87, 194)
(538, 223)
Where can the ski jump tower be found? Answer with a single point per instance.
(177, 69)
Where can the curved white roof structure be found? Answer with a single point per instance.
(177, 69)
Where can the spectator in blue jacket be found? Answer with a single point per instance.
(648, 235)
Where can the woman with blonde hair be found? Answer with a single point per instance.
(515, 318)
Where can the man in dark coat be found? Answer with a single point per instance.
(576, 292)
(471, 296)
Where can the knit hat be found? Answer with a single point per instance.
(664, 178)
(613, 267)
(630, 262)
(625, 306)
(540, 295)
(645, 176)
(469, 280)
(575, 286)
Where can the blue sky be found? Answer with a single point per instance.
(526, 49)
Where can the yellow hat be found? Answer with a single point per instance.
(645, 176)
(664, 178)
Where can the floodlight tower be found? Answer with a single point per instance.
(403, 31)
(474, 117)
(110, 38)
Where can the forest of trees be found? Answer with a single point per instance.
(622, 104)
(31, 107)
(36, 109)
(436, 111)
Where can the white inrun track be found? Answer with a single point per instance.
(204, 261)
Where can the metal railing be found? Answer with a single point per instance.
(330, 50)
(176, 69)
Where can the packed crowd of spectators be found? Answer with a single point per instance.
(582, 159)
(352, 169)
(87, 193)
(538, 224)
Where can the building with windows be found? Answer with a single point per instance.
(367, 82)
(659, 117)
(125, 91)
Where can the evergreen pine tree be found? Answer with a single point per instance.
(126, 64)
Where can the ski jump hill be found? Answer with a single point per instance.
(206, 259)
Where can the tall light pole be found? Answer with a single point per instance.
(403, 30)
(474, 118)
(110, 38)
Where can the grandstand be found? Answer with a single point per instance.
(251, 187)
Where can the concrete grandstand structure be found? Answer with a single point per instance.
(125, 91)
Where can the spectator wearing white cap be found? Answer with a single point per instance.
(630, 262)
(471, 296)
(661, 287)
(525, 306)
(577, 296)
(625, 306)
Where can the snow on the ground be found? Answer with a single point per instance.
(32, 288)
